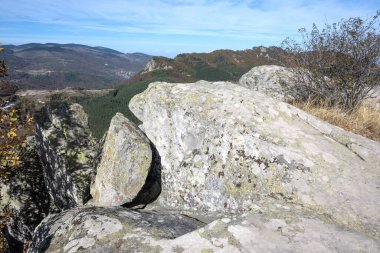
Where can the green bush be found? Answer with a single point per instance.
(337, 65)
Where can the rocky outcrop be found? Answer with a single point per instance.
(156, 64)
(224, 148)
(282, 228)
(124, 167)
(67, 151)
(26, 196)
(268, 79)
(112, 229)
(240, 172)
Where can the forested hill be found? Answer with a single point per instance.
(54, 66)
(220, 65)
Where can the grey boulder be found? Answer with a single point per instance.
(268, 79)
(125, 165)
(224, 148)
(67, 151)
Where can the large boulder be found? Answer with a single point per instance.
(224, 148)
(67, 151)
(26, 196)
(285, 228)
(125, 164)
(111, 229)
(268, 79)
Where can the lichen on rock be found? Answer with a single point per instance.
(224, 148)
(126, 162)
(67, 150)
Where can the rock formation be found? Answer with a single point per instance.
(67, 151)
(283, 228)
(26, 196)
(155, 64)
(240, 172)
(111, 229)
(226, 148)
(268, 79)
(124, 166)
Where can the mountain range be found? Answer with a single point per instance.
(54, 66)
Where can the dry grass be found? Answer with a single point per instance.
(365, 121)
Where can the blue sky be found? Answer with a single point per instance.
(165, 27)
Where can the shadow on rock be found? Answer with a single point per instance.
(152, 187)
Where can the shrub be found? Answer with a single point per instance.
(15, 125)
(338, 65)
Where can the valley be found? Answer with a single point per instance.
(57, 66)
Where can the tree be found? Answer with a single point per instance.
(3, 68)
(335, 66)
(6, 88)
(14, 127)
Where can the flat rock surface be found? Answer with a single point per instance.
(277, 228)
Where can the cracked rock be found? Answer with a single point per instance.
(224, 147)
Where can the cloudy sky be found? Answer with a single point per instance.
(165, 27)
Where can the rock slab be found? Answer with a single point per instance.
(67, 151)
(124, 166)
(115, 229)
(111, 229)
(224, 148)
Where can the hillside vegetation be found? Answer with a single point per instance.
(220, 65)
(101, 109)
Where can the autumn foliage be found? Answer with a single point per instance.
(12, 135)
(15, 125)
(337, 65)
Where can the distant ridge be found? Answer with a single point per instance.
(219, 65)
(52, 65)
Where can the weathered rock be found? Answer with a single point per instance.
(67, 151)
(268, 80)
(224, 147)
(108, 229)
(263, 233)
(124, 166)
(283, 228)
(156, 64)
(26, 196)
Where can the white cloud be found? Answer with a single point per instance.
(256, 20)
(179, 17)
